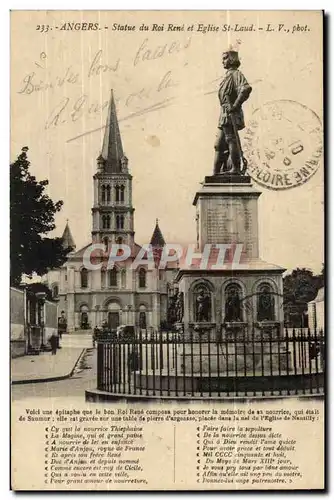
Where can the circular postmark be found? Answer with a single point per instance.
(283, 144)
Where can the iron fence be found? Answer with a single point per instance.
(170, 364)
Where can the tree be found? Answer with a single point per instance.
(32, 216)
(321, 277)
(299, 288)
(34, 288)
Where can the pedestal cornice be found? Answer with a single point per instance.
(214, 189)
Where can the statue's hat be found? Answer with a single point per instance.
(233, 48)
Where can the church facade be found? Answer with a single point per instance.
(125, 294)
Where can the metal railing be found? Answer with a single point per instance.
(169, 364)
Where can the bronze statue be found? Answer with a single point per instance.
(179, 307)
(234, 90)
(233, 306)
(171, 313)
(266, 306)
(202, 307)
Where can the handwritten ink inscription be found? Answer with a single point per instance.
(69, 109)
(161, 91)
(147, 53)
(33, 83)
(138, 100)
(97, 67)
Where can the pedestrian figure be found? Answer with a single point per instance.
(133, 361)
(96, 332)
(314, 350)
(62, 324)
(54, 343)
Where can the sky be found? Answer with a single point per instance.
(165, 83)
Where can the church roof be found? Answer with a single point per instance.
(80, 253)
(112, 149)
(157, 239)
(68, 241)
(135, 249)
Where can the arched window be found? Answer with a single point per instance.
(106, 243)
(84, 320)
(142, 317)
(124, 163)
(122, 189)
(265, 303)
(55, 291)
(117, 193)
(119, 241)
(233, 309)
(108, 192)
(119, 221)
(142, 278)
(84, 277)
(112, 277)
(105, 221)
(202, 303)
(103, 193)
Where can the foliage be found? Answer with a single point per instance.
(299, 288)
(32, 216)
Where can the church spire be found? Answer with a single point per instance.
(68, 241)
(157, 239)
(112, 150)
(112, 211)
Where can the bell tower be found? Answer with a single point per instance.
(112, 210)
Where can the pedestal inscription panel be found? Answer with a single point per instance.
(230, 221)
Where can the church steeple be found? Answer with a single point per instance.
(157, 239)
(112, 210)
(68, 241)
(112, 155)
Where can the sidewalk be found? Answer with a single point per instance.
(45, 367)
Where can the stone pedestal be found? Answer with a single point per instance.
(227, 213)
(233, 352)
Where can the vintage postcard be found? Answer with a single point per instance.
(167, 250)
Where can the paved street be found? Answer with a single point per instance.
(77, 340)
(74, 387)
(45, 367)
